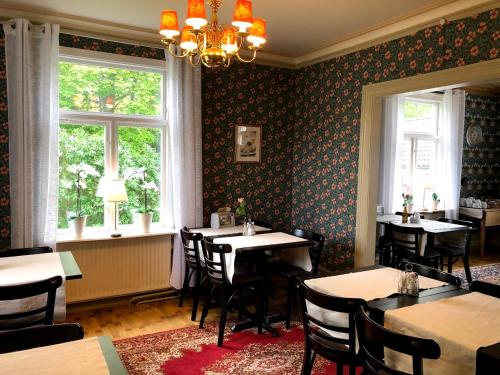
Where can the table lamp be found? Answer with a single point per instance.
(116, 193)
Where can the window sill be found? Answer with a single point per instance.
(105, 235)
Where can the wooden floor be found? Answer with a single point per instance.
(122, 321)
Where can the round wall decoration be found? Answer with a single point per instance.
(474, 135)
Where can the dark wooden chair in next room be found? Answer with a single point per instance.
(215, 261)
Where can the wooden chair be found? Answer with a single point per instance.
(194, 267)
(291, 273)
(432, 273)
(34, 337)
(41, 315)
(25, 251)
(215, 261)
(453, 251)
(406, 244)
(372, 337)
(317, 339)
(485, 288)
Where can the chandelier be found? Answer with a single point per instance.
(209, 43)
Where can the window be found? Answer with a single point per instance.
(417, 160)
(112, 124)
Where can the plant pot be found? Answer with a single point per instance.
(434, 205)
(145, 220)
(78, 225)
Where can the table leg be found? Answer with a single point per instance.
(482, 236)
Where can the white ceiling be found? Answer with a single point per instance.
(295, 27)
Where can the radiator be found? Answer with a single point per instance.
(117, 267)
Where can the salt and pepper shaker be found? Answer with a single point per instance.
(248, 227)
(408, 281)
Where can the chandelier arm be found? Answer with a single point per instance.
(246, 61)
(181, 56)
(194, 64)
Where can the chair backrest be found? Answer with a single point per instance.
(407, 239)
(316, 250)
(34, 337)
(25, 251)
(373, 336)
(465, 244)
(432, 273)
(314, 328)
(263, 224)
(191, 244)
(38, 315)
(485, 288)
(215, 260)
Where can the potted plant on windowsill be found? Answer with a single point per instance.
(78, 219)
(144, 215)
(435, 201)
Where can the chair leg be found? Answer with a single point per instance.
(308, 359)
(468, 275)
(289, 301)
(206, 306)
(450, 264)
(185, 285)
(259, 306)
(340, 368)
(352, 369)
(196, 295)
(223, 317)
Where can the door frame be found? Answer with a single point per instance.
(369, 147)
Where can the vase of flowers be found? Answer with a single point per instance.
(241, 210)
(78, 219)
(435, 201)
(145, 214)
(408, 202)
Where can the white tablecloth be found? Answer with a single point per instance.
(460, 325)
(367, 285)
(30, 268)
(298, 256)
(206, 232)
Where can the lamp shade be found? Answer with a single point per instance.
(228, 43)
(169, 24)
(188, 39)
(196, 14)
(243, 15)
(116, 191)
(258, 33)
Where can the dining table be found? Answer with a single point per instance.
(454, 317)
(293, 250)
(15, 270)
(95, 355)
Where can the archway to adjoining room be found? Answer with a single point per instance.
(370, 138)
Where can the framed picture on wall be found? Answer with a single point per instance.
(248, 141)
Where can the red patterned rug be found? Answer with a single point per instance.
(190, 351)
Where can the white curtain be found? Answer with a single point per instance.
(451, 149)
(185, 145)
(32, 54)
(390, 181)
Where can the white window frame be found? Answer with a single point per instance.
(413, 137)
(112, 121)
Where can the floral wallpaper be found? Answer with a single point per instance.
(327, 119)
(248, 94)
(92, 44)
(481, 163)
(4, 153)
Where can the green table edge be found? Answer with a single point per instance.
(113, 361)
(71, 269)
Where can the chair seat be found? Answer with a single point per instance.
(449, 250)
(333, 351)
